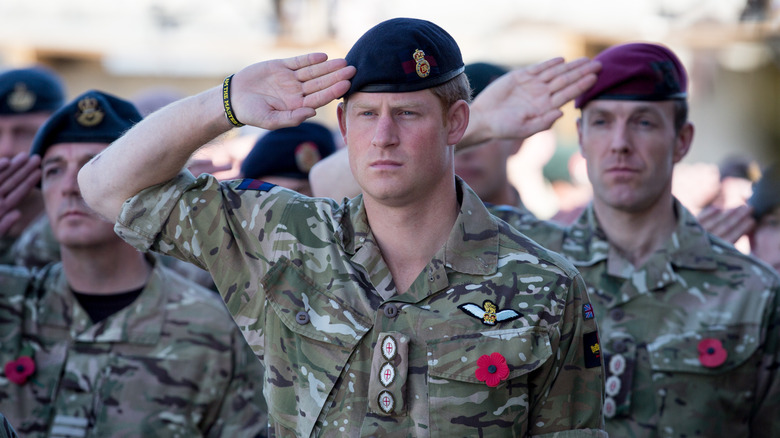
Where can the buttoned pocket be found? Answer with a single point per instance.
(704, 371)
(310, 335)
(481, 380)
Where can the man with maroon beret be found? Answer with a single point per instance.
(688, 323)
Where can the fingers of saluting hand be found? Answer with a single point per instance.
(17, 176)
(7, 220)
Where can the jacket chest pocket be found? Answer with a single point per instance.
(709, 371)
(310, 335)
(481, 380)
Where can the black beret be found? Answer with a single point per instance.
(30, 90)
(401, 55)
(481, 74)
(766, 192)
(289, 152)
(637, 71)
(93, 117)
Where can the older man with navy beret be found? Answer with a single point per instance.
(108, 342)
(28, 96)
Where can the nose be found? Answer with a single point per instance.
(70, 183)
(620, 141)
(385, 132)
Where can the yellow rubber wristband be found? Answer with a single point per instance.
(226, 103)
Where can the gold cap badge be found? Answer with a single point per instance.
(21, 99)
(422, 67)
(89, 113)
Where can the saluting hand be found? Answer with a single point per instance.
(285, 92)
(528, 100)
(18, 175)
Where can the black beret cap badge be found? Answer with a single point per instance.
(21, 99)
(89, 113)
(422, 66)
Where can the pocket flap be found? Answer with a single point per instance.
(687, 352)
(455, 358)
(309, 311)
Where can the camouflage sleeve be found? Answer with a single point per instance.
(219, 227)
(575, 397)
(765, 420)
(244, 411)
(6, 429)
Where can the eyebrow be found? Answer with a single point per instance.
(59, 159)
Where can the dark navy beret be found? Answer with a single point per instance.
(401, 55)
(93, 117)
(637, 71)
(766, 192)
(481, 74)
(30, 90)
(289, 152)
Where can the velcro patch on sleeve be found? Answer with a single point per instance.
(255, 184)
(590, 343)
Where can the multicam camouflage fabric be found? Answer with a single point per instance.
(347, 354)
(173, 363)
(690, 338)
(35, 247)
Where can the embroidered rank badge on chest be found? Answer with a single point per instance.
(489, 313)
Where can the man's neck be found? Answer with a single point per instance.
(637, 235)
(106, 269)
(410, 236)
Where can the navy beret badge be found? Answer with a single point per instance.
(90, 114)
(21, 99)
(422, 66)
(306, 156)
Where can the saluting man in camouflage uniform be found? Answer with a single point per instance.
(28, 97)
(109, 342)
(406, 311)
(689, 325)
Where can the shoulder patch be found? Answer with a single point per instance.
(255, 184)
(590, 343)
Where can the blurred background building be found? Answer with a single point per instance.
(178, 47)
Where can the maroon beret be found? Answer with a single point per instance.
(637, 71)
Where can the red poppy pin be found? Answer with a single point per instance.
(492, 369)
(711, 353)
(20, 369)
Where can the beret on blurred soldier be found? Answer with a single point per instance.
(30, 90)
(289, 152)
(766, 195)
(401, 55)
(637, 71)
(93, 117)
(481, 74)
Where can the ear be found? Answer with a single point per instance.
(457, 121)
(683, 142)
(342, 118)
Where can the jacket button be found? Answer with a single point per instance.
(620, 346)
(391, 310)
(302, 318)
(617, 314)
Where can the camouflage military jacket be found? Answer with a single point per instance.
(690, 339)
(35, 247)
(490, 339)
(172, 363)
